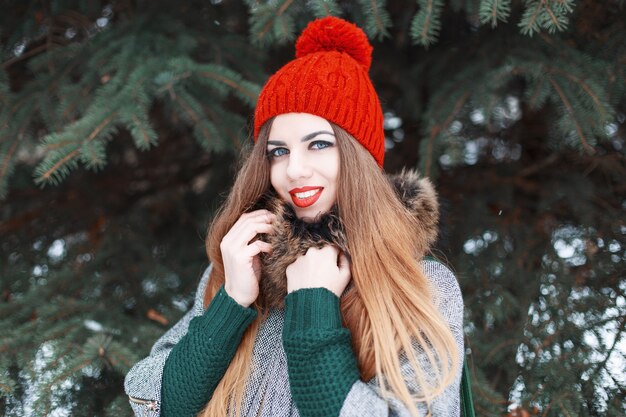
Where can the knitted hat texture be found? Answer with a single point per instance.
(328, 78)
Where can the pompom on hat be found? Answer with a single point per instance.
(328, 78)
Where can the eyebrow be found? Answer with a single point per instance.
(304, 139)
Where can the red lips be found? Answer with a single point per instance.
(313, 194)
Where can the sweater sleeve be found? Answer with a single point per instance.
(144, 382)
(198, 362)
(321, 365)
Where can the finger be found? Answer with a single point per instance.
(253, 230)
(257, 247)
(258, 227)
(243, 225)
(246, 232)
(344, 267)
(344, 262)
(258, 214)
(343, 259)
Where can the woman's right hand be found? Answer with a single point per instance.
(242, 266)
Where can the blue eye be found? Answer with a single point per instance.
(321, 144)
(276, 152)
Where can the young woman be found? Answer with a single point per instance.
(319, 300)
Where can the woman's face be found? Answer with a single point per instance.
(304, 163)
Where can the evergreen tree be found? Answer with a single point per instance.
(120, 127)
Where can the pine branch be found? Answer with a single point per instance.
(15, 123)
(58, 164)
(204, 130)
(377, 19)
(189, 106)
(492, 11)
(284, 28)
(581, 117)
(125, 69)
(219, 78)
(617, 338)
(323, 8)
(530, 19)
(224, 122)
(537, 94)
(119, 356)
(600, 107)
(33, 52)
(265, 22)
(426, 24)
(545, 14)
(245, 90)
(435, 132)
(570, 110)
(144, 136)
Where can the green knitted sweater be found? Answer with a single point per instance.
(321, 365)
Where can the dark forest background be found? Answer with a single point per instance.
(121, 123)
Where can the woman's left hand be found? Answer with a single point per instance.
(326, 267)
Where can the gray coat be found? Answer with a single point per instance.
(269, 394)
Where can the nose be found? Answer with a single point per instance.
(298, 166)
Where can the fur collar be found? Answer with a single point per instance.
(293, 237)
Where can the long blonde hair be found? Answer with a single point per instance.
(392, 300)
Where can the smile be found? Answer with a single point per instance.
(305, 196)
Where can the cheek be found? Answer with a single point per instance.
(333, 170)
(276, 179)
(273, 178)
(272, 175)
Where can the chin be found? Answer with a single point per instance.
(310, 214)
(309, 218)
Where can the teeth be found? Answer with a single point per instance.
(307, 194)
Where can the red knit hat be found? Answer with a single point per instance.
(329, 79)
